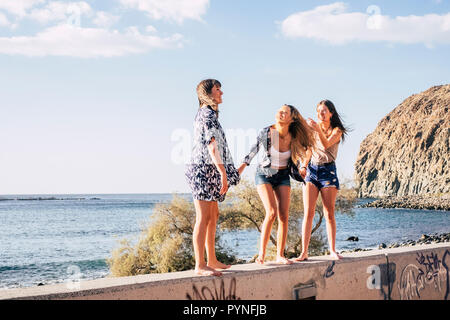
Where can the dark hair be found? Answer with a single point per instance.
(335, 121)
(204, 89)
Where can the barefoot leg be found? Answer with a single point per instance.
(211, 239)
(267, 196)
(329, 198)
(310, 195)
(283, 197)
(202, 218)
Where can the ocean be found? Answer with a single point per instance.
(46, 239)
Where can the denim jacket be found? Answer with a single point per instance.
(263, 141)
(264, 166)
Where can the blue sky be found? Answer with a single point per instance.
(95, 93)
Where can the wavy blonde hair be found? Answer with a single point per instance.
(204, 89)
(302, 137)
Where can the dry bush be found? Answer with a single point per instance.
(165, 244)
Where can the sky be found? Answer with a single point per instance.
(99, 96)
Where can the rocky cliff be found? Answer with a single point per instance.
(408, 153)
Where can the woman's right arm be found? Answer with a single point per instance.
(213, 150)
(249, 157)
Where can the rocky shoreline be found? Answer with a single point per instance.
(411, 202)
(424, 239)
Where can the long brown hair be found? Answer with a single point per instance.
(204, 89)
(302, 137)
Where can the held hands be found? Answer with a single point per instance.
(302, 172)
(241, 169)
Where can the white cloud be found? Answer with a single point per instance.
(173, 10)
(56, 11)
(64, 34)
(150, 29)
(334, 24)
(105, 19)
(19, 7)
(71, 41)
(4, 22)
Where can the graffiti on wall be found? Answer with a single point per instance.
(429, 272)
(329, 272)
(214, 292)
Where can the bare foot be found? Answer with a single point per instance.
(259, 261)
(303, 257)
(218, 265)
(335, 256)
(207, 271)
(283, 260)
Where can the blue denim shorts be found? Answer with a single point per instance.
(322, 176)
(281, 178)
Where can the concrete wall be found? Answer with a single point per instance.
(418, 272)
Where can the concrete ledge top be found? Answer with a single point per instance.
(117, 284)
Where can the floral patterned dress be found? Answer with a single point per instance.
(201, 173)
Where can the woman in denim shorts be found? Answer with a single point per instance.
(288, 139)
(321, 175)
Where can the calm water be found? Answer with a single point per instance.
(69, 238)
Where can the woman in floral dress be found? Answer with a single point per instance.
(209, 173)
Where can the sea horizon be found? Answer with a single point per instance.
(106, 194)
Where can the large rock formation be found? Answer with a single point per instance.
(408, 153)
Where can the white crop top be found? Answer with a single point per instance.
(279, 159)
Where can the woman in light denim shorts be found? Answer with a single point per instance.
(321, 174)
(281, 178)
(286, 140)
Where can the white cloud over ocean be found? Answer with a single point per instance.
(75, 29)
(335, 24)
